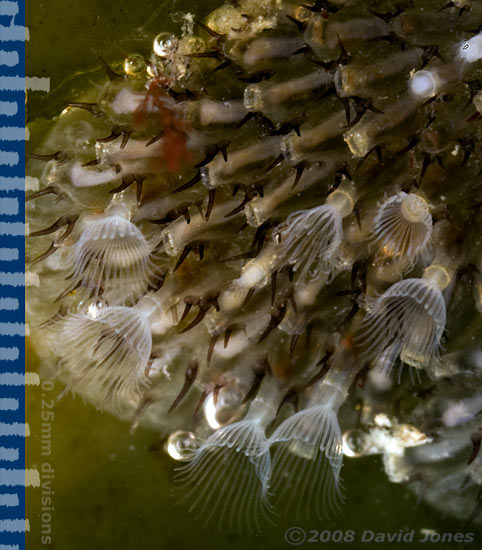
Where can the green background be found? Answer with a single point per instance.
(113, 490)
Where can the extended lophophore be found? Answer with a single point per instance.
(241, 241)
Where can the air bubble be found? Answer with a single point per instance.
(134, 64)
(181, 445)
(354, 443)
(165, 44)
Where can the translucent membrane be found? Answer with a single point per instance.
(258, 97)
(119, 103)
(130, 157)
(439, 135)
(218, 171)
(256, 272)
(127, 102)
(267, 49)
(322, 34)
(261, 208)
(421, 25)
(367, 133)
(297, 148)
(207, 111)
(81, 176)
(179, 233)
(355, 80)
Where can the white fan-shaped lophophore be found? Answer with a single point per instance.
(406, 321)
(105, 351)
(227, 479)
(403, 228)
(309, 240)
(308, 453)
(112, 258)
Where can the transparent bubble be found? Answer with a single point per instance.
(134, 64)
(354, 443)
(165, 44)
(227, 409)
(177, 16)
(181, 445)
(95, 307)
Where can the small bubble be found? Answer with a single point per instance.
(181, 445)
(165, 44)
(354, 443)
(134, 64)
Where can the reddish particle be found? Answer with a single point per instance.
(173, 150)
